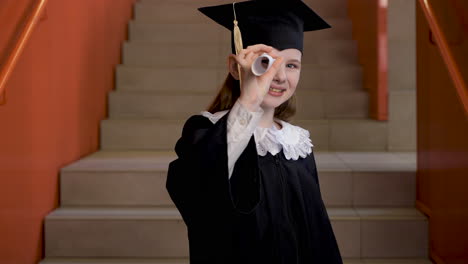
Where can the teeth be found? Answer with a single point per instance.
(276, 90)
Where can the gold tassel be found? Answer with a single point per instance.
(237, 40)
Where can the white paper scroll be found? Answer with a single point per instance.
(262, 64)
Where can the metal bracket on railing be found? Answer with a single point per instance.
(458, 42)
(431, 38)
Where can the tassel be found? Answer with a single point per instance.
(237, 34)
(237, 40)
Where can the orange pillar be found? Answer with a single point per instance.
(369, 19)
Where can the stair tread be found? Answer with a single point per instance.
(330, 21)
(350, 134)
(112, 261)
(123, 161)
(305, 66)
(323, 43)
(208, 78)
(294, 121)
(182, 93)
(171, 213)
(200, 31)
(186, 261)
(159, 13)
(326, 161)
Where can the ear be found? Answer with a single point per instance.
(232, 66)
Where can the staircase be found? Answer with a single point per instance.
(114, 205)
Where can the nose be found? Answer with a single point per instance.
(280, 76)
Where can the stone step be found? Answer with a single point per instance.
(186, 261)
(157, 134)
(186, 11)
(187, 2)
(335, 3)
(209, 79)
(161, 233)
(323, 53)
(117, 261)
(199, 33)
(135, 178)
(177, 105)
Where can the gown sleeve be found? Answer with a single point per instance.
(198, 180)
(241, 125)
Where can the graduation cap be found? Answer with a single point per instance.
(277, 23)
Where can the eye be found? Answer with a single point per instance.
(292, 66)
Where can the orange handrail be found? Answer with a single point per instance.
(447, 55)
(12, 59)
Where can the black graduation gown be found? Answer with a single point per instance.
(270, 211)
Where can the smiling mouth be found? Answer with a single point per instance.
(277, 90)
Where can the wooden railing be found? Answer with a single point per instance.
(447, 55)
(370, 31)
(379, 110)
(15, 52)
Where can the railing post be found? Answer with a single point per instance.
(370, 31)
(381, 99)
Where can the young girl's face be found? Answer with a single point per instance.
(286, 79)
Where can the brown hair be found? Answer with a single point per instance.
(230, 91)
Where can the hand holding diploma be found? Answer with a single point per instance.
(254, 86)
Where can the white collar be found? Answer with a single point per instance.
(294, 140)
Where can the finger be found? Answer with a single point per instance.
(260, 48)
(240, 58)
(273, 53)
(242, 54)
(270, 74)
(240, 62)
(250, 56)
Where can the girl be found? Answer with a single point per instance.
(245, 180)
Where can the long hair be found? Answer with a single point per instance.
(230, 92)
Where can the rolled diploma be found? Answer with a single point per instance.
(257, 66)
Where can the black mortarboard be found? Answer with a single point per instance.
(280, 24)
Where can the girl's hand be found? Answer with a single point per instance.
(254, 88)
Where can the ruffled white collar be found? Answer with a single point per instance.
(294, 140)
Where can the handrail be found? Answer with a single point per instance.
(11, 61)
(447, 55)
